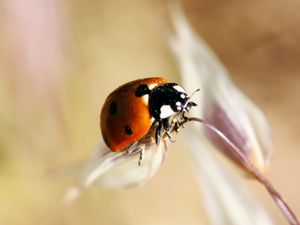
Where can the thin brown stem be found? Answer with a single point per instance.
(252, 169)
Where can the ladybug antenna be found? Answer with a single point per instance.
(252, 169)
(194, 93)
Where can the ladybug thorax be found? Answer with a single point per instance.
(166, 100)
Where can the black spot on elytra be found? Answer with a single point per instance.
(128, 130)
(113, 108)
(142, 90)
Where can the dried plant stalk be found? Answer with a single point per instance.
(252, 170)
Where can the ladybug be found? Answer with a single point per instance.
(132, 109)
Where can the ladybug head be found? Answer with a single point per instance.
(179, 100)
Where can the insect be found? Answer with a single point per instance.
(132, 109)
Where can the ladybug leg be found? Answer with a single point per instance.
(142, 153)
(164, 126)
(178, 122)
(175, 125)
(158, 132)
(184, 119)
(132, 148)
(168, 129)
(170, 136)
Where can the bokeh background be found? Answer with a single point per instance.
(60, 59)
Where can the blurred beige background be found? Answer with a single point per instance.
(60, 59)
